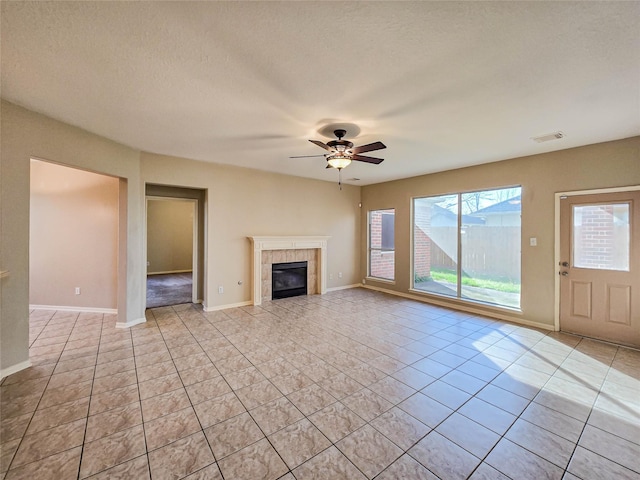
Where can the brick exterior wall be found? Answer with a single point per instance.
(422, 241)
(594, 240)
(381, 264)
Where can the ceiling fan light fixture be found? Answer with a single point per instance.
(338, 160)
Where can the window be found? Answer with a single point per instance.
(382, 244)
(601, 236)
(467, 245)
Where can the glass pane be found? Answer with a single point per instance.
(381, 244)
(388, 231)
(490, 246)
(435, 244)
(601, 236)
(382, 264)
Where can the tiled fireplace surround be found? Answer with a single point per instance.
(270, 250)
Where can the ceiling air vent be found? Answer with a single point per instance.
(548, 137)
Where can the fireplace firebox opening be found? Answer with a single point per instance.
(288, 279)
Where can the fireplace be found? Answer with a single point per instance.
(288, 279)
(270, 250)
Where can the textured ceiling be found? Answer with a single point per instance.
(443, 85)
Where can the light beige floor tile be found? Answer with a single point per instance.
(311, 399)
(487, 472)
(137, 469)
(406, 467)
(276, 415)
(485, 414)
(446, 394)
(236, 433)
(7, 452)
(158, 386)
(14, 427)
(258, 461)
(45, 418)
(588, 465)
(180, 458)
(443, 457)
(218, 409)
(112, 421)
(392, 390)
(208, 389)
(60, 466)
(400, 427)
(468, 434)
(48, 442)
(291, 382)
(369, 450)
(336, 421)
(330, 463)
(164, 404)
(549, 446)
(211, 472)
(427, 410)
(611, 447)
(171, 427)
(112, 450)
(367, 404)
(321, 352)
(299, 442)
(516, 462)
(626, 428)
(500, 398)
(118, 397)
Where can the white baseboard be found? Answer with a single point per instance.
(5, 372)
(344, 287)
(64, 308)
(170, 271)
(224, 307)
(130, 323)
(465, 308)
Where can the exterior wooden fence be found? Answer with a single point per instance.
(487, 251)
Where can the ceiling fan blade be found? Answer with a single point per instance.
(328, 166)
(321, 145)
(370, 147)
(307, 156)
(362, 158)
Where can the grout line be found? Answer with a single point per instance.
(311, 313)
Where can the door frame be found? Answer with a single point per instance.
(556, 253)
(194, 247)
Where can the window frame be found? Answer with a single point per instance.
(458, 297)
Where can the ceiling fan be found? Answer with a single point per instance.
(342, 152)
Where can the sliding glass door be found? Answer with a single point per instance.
(467, 245)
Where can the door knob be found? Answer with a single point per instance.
(565, 264)
(564, 274)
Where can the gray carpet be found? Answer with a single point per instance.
(169, 289)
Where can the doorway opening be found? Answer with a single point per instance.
(76, 248)
(174, 245)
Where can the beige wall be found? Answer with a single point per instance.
(243, 202)
(73, 239)
(240, 203)
(25, 135)
(169, 235)
(611, 164)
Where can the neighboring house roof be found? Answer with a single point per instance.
(442, 217)
(511, 205)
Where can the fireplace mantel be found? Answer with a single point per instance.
(286, 243)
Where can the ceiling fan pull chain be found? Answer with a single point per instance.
(340, 178)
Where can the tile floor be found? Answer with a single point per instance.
(352, 384)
